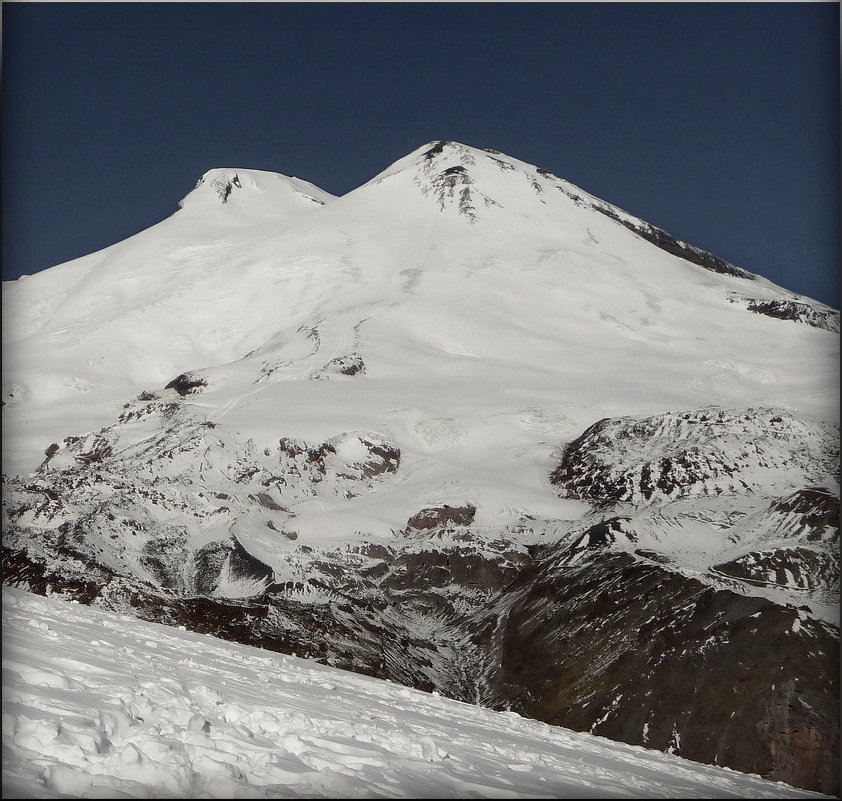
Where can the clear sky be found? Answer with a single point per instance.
(718, 122)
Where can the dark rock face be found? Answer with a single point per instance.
(430, 567)
(187, 384)
(670, 244)
(267, 502)
(827, 319)
(51, 451)
(632, 652)
(798, 742)
(243, 565)
(214, 560)
(600, 536)
(337, 465)
(208, 563)
(352, 364)
(165, 556)
(436, 149)
(384, 458)
(803, 568)
(803, 312)
(440, 516)
(810, 510)
(77, 579)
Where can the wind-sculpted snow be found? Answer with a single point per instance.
(113, 707)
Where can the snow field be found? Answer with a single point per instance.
(99, 705)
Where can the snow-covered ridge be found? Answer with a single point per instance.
(458, 176)
(257, 191)
(699, 452)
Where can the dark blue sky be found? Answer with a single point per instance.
(715, 121)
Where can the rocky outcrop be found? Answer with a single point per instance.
(165, 556)
(811, 314)
(643, 655)
(187, 384)
(427, 568)
(664, 241)
(801, 568)
(437, 517)
(218, 564)
(445, 175)
(813, 512)
(347, 464)
(352, 364)
(694, 453)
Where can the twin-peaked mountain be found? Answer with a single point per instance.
(465, 427)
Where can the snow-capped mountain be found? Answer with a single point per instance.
(467, 428)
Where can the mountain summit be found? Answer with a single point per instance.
(255, 192)
(466, 427)
(464, 252)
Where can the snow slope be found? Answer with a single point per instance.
(99, 705)
(485, 296)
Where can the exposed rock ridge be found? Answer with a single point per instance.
(799, 311)
(447, 175)
(647, 231)
(696, 453)
(453, 185)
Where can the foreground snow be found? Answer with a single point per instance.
(99, 705)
